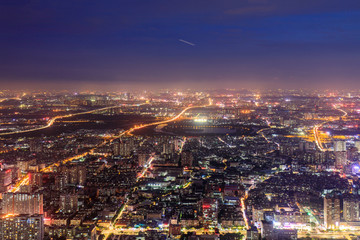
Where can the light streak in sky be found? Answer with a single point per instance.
(189, 43)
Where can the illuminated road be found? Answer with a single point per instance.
(5, 99)
(243, 206)
(317, 137)
(161, 122)
(230, 146)
(53, 120)
(116, 230)
(243, 209)
(243, 199)
(318, 141)
(141, 175)
(308, 211)
(182, 145)
(343, 111)
(25, 179)
(262, 134)
(267, 140)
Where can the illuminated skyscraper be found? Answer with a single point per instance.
(210, 211)
(340, 153)
(72, 175)
(357, 145)
(123, 148)
(168, 148)
(22, 203)
(68, 203)
(5, 179)
(351, 209)
(331, 212)
(340, 159)
(267, 229)
(339, 146)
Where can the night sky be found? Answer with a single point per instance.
(200, 43)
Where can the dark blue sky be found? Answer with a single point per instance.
(240, 43)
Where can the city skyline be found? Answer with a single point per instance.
(190, 120)
(176, 164)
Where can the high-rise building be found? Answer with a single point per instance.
(352, 153)
(22, 227)
(81, 171)
(340, 153)
(142, 158)
(351, 210)
(210, 211)
(280, 234)
(72, 175)
(168, 148)
(177, 145)
(36, 179)
(22, 203)
(23, 165)
(60, 182)
(187, 159)
(331, 212)
(340, 159)
(306, 146)
(123, 149)
(68, 203)
(357, 145)
(77, 175)
(320, 157)
(252, 234)
(339, 146)
(287, 149)
(5, 179)
(267, 229)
